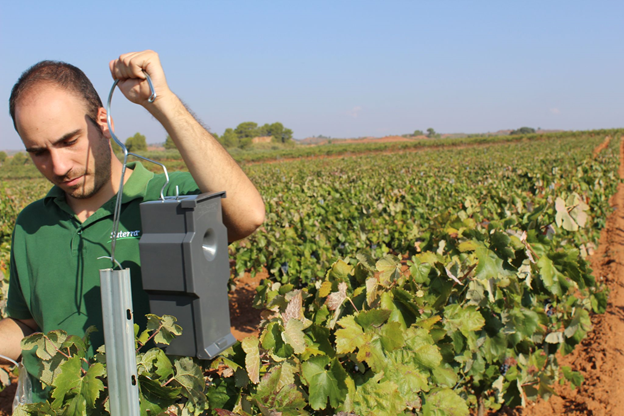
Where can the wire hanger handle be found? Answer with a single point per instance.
(117, 212)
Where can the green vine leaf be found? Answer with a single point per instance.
(372, 318)
(444, 402)
(76, 391)
(154, 397)
(155, 361)
(420, 343)
(465, 319)
(350, 336)
(549, 275)
(165, 327)
(67, 382)
(380, 398)
(92, 386)
(189, 376)
(325, 384)
(490, 266)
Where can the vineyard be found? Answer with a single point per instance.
(400, 280)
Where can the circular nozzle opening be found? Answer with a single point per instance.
(209, 245)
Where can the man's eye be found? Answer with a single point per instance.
(71, 142)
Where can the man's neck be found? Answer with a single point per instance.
(85, 207)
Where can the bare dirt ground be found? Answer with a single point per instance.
(601, 147)
(6, 395)
(244, 318)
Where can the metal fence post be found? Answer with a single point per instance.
(123, 388)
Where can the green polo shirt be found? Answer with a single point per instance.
(55, 277)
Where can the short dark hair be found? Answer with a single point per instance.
(61, 74)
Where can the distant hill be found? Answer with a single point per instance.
(370, 139)
(312, 140)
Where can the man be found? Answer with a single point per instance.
(57, 240)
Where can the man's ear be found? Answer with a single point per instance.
(103, 124)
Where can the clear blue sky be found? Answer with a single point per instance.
(342, 68)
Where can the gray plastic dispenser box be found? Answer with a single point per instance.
(185, 269)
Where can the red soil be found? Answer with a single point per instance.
(601, 146)
(244, 318)
(6, 395)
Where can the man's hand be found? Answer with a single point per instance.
(128, 69)
(12, 331)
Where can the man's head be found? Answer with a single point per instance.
(60, 118)
(61, 74)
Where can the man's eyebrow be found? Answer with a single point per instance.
(62, 139)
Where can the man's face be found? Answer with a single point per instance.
(68, 148)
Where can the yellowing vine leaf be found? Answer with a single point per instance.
(252, 358)
(334, 300)
(47, 345)
(293, 335)
(389, 269)
(294, 308)
(563, 218)
(371, 290)
(325, 289)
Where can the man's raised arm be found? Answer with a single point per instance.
(211, 166)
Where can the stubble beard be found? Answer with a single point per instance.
(101, 173)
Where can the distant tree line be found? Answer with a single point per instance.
(240, 137)
(431, 133)
(523, 130)
(18, 159)
(244, 133)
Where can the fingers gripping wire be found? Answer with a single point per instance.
(118, 201)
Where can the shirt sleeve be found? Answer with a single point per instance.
(17, 307)
(185, 183)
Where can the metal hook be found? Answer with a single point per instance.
(117, 211)
(149, 81)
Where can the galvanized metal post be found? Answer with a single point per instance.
(117, 312)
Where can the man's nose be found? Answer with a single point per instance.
(61, 164)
